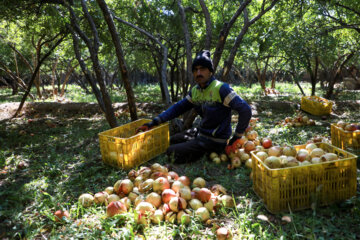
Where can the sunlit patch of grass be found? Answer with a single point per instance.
(65, 161)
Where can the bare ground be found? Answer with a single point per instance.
(58, 109)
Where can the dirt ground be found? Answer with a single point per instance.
(55, 109)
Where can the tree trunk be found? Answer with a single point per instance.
(224, 34)
(53, 78)
(120, 56)
(38, 65)
(337, 74)
(187, 46)
(67, 77)
(228, 63)
(164, 60)
(207, 23)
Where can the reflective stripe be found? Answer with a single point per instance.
(229, 97)
(218, 140)
(213, 132)
(189, 98)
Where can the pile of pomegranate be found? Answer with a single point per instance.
(240, 154)
(350, 127)
(298, 121)
(318, 100)
(288, 156)
(155, 194)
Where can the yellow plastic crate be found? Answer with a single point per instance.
(312, 105)
(300, 187)
(122, 148)
(344, 139)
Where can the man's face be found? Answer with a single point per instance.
(202, 75)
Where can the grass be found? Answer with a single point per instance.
(65, 161)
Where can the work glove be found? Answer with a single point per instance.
(147, 126)
(233, 144)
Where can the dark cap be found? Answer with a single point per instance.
(203, 59)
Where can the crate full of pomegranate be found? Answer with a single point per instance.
(346, 135)
(292, 178)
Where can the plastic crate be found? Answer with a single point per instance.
(122, 148)
(312, 105)
(301, 187)
(344, 139)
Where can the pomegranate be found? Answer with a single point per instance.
(204, 195)
(199, 182)
(176, 186)
(266, 142)
(86, 199)
(165, 208)
(227, 201)
(144, 172)
(317, 152)
(156, 175)
(213, 155)
(145, 208)
(170, 217)
(160, 184)
(203, 214)
(289, 151)
(185, 180)
(177, 203)
(157, 217)
(244, 157)
(216, 160)
(303, 156)
(185, 193)
(132, 175)
(138, 180)
(167, 194)
(156, 167)
(60, 215)
(223, 233)
(223, 157)
(146, 186)
(173, 175)
(218, 189)
(235, 162)
(273, 162)
(126, 201)
(252, 135)
(101, 197)
(329, 157)
(183, 217)
(132, 196)
(262, 155)
(195, 204)
(109, 190)
(209, 205)
(249, 146)
(274, 151)
(154, 199)
(311, 146)
(114, 208)
(248, 163)
(139, 199)
(113, 198)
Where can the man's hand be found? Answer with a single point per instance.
(233, 144)
(147, 126)
(143, 128)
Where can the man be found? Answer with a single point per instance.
(213, 101)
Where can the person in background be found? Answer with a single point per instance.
(213, 100)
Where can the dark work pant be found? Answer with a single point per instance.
(188, 147)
